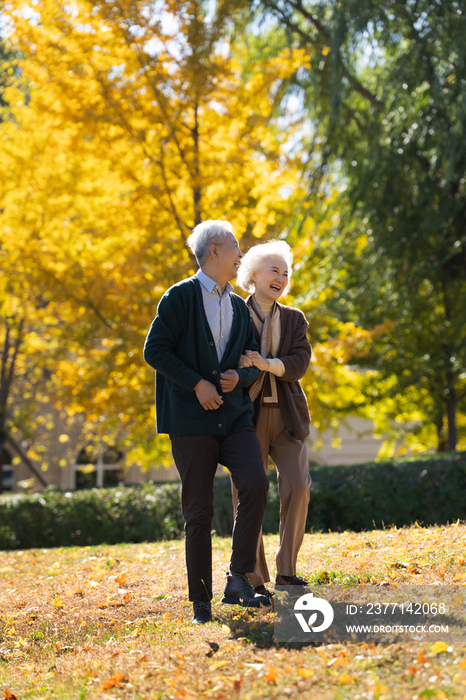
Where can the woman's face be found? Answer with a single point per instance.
(271, 278)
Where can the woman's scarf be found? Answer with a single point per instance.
(266, 384)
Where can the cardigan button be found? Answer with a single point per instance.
(220, 425)
(284, 409)
(214, 372)
(211, 344)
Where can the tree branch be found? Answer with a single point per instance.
(26, 460)
(354, 82)
(15, 356)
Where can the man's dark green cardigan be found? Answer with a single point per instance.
(181, 348)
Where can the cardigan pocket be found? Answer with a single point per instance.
(186, 404)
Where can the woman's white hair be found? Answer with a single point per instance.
(255, 258)
(206, 234)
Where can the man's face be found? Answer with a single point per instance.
(228, 256)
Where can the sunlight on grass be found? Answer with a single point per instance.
(114, 621)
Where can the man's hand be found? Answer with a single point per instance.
(228, 380)
(257, 360)
(207, 395)
(244, 361)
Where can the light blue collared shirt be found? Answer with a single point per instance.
(218, 309)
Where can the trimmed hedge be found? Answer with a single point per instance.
(397, 492)
(354, 497)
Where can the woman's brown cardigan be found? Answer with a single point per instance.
(295, 353)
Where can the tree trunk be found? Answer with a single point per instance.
(451, 418)
(196, 175)
(442, 442)
(2, 443)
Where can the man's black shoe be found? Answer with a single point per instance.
(239, 591)
(202, 612)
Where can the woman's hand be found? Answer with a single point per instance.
(257, 360)
(244, 361)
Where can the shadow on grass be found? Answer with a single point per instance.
(254, 628)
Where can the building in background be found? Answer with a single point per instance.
(106, 466)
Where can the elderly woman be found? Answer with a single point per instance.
(280, 407)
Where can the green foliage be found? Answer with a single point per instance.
(387, 93)
(353, 497)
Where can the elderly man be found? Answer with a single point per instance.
(202, 401)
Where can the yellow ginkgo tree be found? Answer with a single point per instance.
(127, 127)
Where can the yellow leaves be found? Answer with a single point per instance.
(439, 647)
(306, 672)
(226, 629)
(58, 603)
(105, 200)
(272, 675)
(63, 438)
(217, 664)
(345, 679)
(116, 681)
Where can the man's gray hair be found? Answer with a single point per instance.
(206, 234)
(255, 258)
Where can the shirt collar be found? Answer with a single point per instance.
(211, 285)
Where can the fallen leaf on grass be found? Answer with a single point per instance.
(412, 670)
(217, 664)
(10, 696)
(183, 695)
(438, 647)
(120, 579)
(237, 684)
(226, 629)
(344, 679)
(115, 681)
(421, 659)
(337, 661)
(271, 677)
(93, 584)
(58, 603)
(462, 664)
(306, 672)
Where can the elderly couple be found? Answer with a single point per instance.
(227, 391)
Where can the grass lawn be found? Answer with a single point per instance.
(114, 622)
